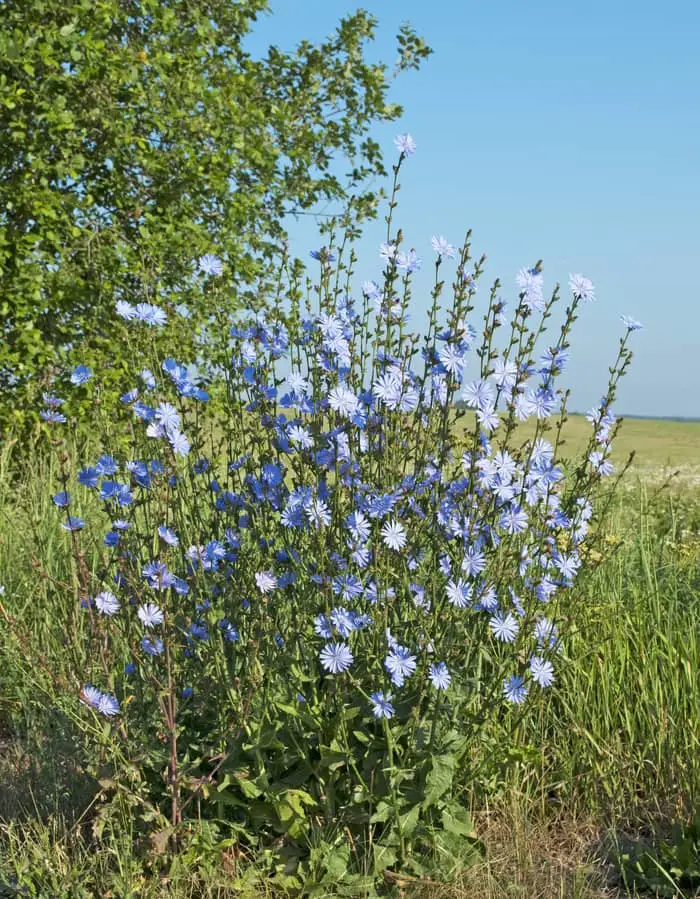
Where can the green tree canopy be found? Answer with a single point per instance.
(139, 134)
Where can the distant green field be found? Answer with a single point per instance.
(658, 443)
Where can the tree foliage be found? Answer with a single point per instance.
(138, 134)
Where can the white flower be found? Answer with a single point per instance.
(530, 283)
(150, 615)
(458, 594)
(107, 603)
(405, 144)
(542, 671)
(442, 247)
(582, 288)
(266, 581)
(298, 384)
(300, 435)
(318, 513)
(342, 400)
(388, 389)
(394, 535)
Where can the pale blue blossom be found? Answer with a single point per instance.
(400, 664)
(530, 284)
(631, 323)
(515, 690)
(336, 657)
(107, 603)
(439, 676)
(210, 264)
(405, 144)
(478, 395)
(504, 627)
(381, 705)
(542, 671)
(459, 594)
(443, 248)
(582, 288)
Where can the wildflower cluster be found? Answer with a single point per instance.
(308, 578)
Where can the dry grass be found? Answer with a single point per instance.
(558, 858)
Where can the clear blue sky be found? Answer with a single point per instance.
(567, 131)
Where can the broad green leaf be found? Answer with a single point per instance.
(439, 779)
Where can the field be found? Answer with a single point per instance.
(660, 446)
(603, 770)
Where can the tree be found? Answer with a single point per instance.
(139, 134)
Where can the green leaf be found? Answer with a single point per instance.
(332, 759)
(383, 813)
(336, 862)
(440, 779)
(384, 856)
(249, 789)
(456, 821)
(297, 799)
(408, 820)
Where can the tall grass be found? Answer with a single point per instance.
(620, 736)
